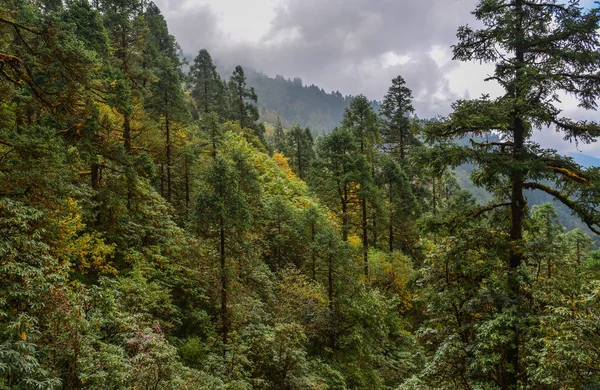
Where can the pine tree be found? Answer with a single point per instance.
(540, 48)
(279, 137)
(167, 101)
(206, 84)
(242, 97)
(124, 21)
(401, 201)
(396, 108)
(300, 149)
(339, 164)
(362, 121)
(222, 214)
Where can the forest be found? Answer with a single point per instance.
(155, 234)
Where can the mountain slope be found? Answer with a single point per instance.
(296, 103)
(585, 160)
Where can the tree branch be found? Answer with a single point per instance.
(587, 218)
(17, 25)
(482, 210)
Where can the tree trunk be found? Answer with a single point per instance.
(206, 105)
(345, 215)
(224, 314)
(187, 183)
(214, 140)
(299, 160)
(169, 186)
(127, 133)
(402, 152)
(330, 298)
(162, 180)
(391, 222)
(434, 197)
(365, 238)
(96, 175)
(517, 208)
(314, 254)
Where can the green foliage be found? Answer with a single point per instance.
(207, 88)
(148, 240)
(396, 108)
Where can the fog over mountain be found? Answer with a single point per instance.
(354, 47)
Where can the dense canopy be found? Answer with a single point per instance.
(157, 232)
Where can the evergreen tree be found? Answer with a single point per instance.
(124, 21)
(300, 148)
(362, 121)
(222, 214)
(338, 163)
(540, 49)
(167, 101)
(279, 137)
(401, 201)
(579, 245)
(242, 109)
(397, 106)
(206, 85)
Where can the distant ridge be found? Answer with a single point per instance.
(585, 160)
(296, 103)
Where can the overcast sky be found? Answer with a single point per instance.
(354, 46)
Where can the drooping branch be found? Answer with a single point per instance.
(591, 220)
(18, 26)
(454, 222)
(502, 145)
(578, 177)
(584, 130)
(486, 209)
(545, 6)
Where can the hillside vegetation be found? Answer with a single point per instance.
(156, 234)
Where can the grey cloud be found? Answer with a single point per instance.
(339, 44)
(195, 27)
(550, 138)
(371, 27)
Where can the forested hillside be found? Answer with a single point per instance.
(297, 103)
(292, 102)
(154, 235)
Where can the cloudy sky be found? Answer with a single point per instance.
(354, 46)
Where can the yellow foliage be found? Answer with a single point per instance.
(354, 241)
(87, 252)
(284, 164)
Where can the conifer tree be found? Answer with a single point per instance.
(540, 48)
(124, 21)
(222, 214)
(338, 163)
(300, 149)
(242, 97)
(167, 101)
(362, 121)
(396, 108)
(206, 84)
(279, 137)
(401, 201)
